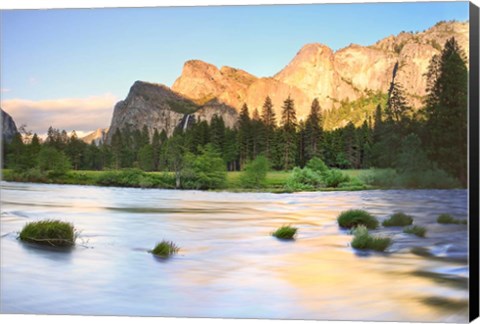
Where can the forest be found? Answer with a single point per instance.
(425, 148)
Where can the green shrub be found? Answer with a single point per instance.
(123, 178)
(398, 219)
(355, 217)
(55, 162)
(334, 178)
(317, 165)
(165, 249)
(362, 240)
(255, 173)
(449, 219)
(49, 232)
(419, 231)
(304, 179)
(285, 233)
(204, 171)
(384, 178)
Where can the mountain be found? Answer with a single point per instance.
(98, 136)
(158, 107)
(9, 129)
(354, 74)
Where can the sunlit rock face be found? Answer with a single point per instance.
(203, 90)
(9, 129)
(317, 71)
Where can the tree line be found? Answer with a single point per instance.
(435, 135)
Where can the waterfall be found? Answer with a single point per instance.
(186, 123)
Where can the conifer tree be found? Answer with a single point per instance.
(313, 131)
(289, 124)
(269, 122)
(244, 136)
(446, 110)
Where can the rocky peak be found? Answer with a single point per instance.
(9, 128)
(98, 136)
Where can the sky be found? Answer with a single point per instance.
(68, 67)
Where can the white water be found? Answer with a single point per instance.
(229, 265)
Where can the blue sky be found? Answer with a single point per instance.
(99, 53)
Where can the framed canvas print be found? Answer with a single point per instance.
(273, 161)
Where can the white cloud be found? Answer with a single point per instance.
(81, 114)
(5, 90)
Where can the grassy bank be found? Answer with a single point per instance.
(275, 180)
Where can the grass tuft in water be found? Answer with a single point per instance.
(49, 232)
(398, 219)
(419, 231)
(285, 233)
(449, 219)
(165, 249)
(362, 240)
(355, 217)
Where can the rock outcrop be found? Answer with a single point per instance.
(9, 129)
(158, 107)
(319, 72)
(203, 90)
(98, 137)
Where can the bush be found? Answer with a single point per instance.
(317, 165)
(165, 249)
(384, 178)
(449, 219)
(334, 178)
(205, 171)
(398, 219)
(255, 173)
(415, 230)
(53, 161)
(355, 217)
(49, 232)
(285, 233)
(123, 178)
(364, 241)
(304, 179)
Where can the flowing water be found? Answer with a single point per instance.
(229, 265)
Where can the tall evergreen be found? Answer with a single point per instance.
(313, 131)
(244, 136)
(269, 121)
(446, 110)
(289, 124)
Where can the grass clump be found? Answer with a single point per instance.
(398, 219)
(364, 241)
(285, 233)
(415, 230)
(165, 249)
(49, 232)
(355, 217)
(449, 219)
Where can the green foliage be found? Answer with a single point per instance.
(285, 232)
(205, 171)
(53, 161)
(335, 178)
(446, 111)
(419, 231)
(398, 219)
(145, 158)
(122, 178)
(317, 165)
(449, 219)
(362, 240)
(49, 232)
(255, 173)
(355, 217)
(182, 107)
(304, 179)
(165, 249)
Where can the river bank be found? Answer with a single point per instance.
(275, 181)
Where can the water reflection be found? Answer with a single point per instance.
(229, 265)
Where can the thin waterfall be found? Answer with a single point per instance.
(186, 123)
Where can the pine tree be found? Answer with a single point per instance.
(289, 124)
(313, 131)
(446, 110)
(269, 122)
(244, 136)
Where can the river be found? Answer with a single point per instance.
(229, 265)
